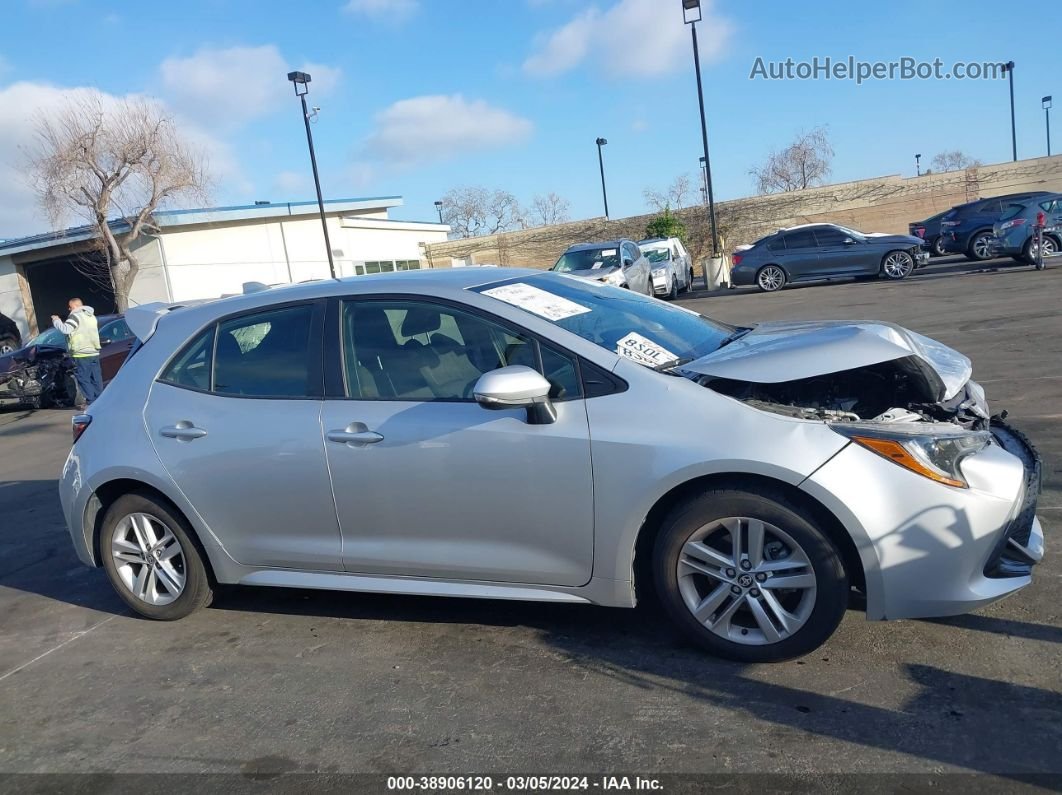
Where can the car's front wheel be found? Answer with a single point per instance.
(749, 576)
(771, 278)
(151, 560)
(672, 293)
(8, 345)
(897, 265)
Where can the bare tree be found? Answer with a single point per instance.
(953, 161)
(113, 165)
(549, 209)
(475, 211)
(805, 163)
(674, 197)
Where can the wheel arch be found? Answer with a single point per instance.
(106, 494)
(824, 519)
(970, 237)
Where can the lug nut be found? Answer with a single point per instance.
(735, 590)
(730, 572)
(754, 592)
(745, 565)
(761, 577)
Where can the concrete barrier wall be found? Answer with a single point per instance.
(881, 204)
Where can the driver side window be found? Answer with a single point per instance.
(411, 350)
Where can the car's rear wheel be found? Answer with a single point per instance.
(897, 265)
(151, 560)
(937, 247)
(980, 247)
(1029, 252)
(770, 278)
(689, 281)
(749, 576)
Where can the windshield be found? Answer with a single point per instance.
(53, 337)
(648, 331)
(657, 254)
(588, 259)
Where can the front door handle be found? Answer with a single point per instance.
(357, 434)
(184, 430)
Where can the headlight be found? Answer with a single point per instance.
(660, 271)
(935, 455)
(616, 277)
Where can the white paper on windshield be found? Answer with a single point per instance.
(643, 350)
(596, 265)
(539, 302)
(608, 252)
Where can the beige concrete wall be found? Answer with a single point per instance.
(881, 204)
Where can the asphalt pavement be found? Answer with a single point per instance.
(268, 682)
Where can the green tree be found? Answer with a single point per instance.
(667, 224)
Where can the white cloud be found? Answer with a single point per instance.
(631, 38)
(292, 184)
(438, 127)
(229, 87)
(23, 104)
(392, 11)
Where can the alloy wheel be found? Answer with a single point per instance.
(6, 348)
(980, 246)
(149, 559)
(771, 278)
(898, 265)
(938, 247)
(746, 580)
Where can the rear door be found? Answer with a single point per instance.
(235, 419)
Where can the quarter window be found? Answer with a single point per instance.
(191, 367)
(407, 350)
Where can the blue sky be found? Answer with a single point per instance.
(419, 96)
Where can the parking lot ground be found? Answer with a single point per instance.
(271, 681)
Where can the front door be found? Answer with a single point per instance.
(235, 419)
(842, 254)
(427, 483)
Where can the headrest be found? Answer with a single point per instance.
(420, 320)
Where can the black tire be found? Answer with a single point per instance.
(8, 344)
(977, 248)
(936, 247)
(1028, 252)
(769, 285)
(831, 588)
(897, 265)
(672, 294)
(198, 589)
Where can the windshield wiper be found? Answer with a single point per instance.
(671, 365)
(741, 332)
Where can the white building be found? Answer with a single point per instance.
(211, 252)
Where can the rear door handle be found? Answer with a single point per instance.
(184, 430)
(357, 434)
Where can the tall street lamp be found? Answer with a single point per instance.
(691, 15)
(1046, 102)
(704, 184)
(438, 206)
(601, 164)
(1008, 67)
(301, 80)
(918, 164)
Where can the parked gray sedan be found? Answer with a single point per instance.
(825, 251)
(620, 263)
(510, 434)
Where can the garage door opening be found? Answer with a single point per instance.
(54, 282)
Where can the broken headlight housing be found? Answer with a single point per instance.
(935, 454)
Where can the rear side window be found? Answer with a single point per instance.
(191, 367)
(265, 354)
(776, 244)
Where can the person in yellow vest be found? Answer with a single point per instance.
(83, 342)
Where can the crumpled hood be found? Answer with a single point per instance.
(775, 352)
(594, 273)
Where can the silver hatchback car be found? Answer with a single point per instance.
(524, 435)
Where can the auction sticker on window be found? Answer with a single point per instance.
(643, 350)
(539, 302)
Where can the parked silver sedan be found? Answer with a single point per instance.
(515, 434)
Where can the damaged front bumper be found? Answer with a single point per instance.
(1021, 545)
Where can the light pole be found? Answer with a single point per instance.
(438, 206)
(601, 164)
(1046, 102)
(1008, 67)
(704, 184)
(918, 164)
(301, 80)
(691, 15)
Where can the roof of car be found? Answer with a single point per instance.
(602, 244)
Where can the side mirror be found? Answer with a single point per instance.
(516, 387)
(849, 241)
(627, 262)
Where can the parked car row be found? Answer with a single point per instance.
(40, 374)
(973, 229)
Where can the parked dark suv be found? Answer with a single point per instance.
(967, 228)
(10, 338)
